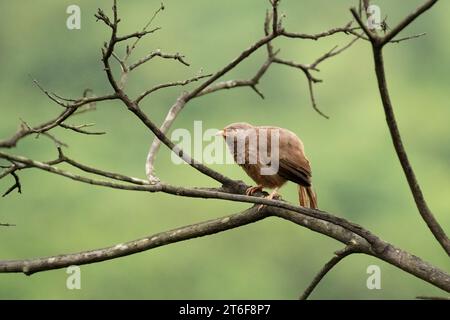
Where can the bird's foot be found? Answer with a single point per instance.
(273, 195)
(252, 190)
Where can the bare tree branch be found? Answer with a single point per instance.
(408, 37)
(160, 54)
(325, 223)
(356, 238)
(137, 34)
(392, 255)
(338, 257)
(25, 130)
(17, 185)
(317, 36)
(79, 129)
(156, 144)
(193, 193)
(144, 32)
(7, 225)
(377, 46)
(406, 21)
(170, 84)
(209, 86)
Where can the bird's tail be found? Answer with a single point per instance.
(307, 197)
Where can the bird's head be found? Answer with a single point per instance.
(235, 129)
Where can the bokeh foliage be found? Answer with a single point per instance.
(356, 172)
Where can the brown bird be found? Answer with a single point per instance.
(271, 156)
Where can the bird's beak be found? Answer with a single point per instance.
(220, 133)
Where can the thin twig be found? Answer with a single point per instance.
(137, 34)
(144, 30)
(333, 52)
(7, 225)
(406, 21)
(317, 36)
(79, 129)
(339, 255)
(160, 54)
(409, 37)
(170, 84)
(50, 95)
(17, 185)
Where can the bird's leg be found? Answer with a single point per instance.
(252, 190)
(271, 196)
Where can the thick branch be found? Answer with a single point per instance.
(414, 185)
(132, 106)
(377, 47)
(376, 243)
(352, 235)
(31, 266)
(392, 255)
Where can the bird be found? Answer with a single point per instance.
(250, 146)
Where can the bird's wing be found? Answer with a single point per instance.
(299, 173)
(293, 166)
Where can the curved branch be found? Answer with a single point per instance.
(354, 236)
(377, 244)
(107, 53)
(414, 185)
(209, 86)
(338, 257)
(322, 222)
(377, 47)
(392, 255)
(32, 266)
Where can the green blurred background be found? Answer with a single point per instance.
(356, 172)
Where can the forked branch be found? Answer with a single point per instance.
(377, 47)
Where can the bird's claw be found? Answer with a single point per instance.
(273, 195)
(252, 190)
